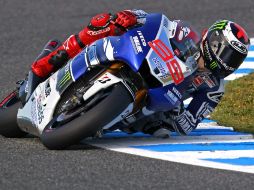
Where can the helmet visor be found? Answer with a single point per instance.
(229, 58)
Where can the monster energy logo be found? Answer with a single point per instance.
(219, 25)
(66, 77)
(213, 65)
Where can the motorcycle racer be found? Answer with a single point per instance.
(222, 49)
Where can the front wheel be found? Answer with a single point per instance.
(8, 117)
(88, 122)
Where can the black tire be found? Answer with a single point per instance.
(8, 117)
(89, 123)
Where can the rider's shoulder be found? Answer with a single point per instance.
(205, 80)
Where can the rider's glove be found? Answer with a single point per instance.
(180, 120)
(126, 19)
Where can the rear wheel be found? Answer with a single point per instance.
(8, 116)
(69, 128)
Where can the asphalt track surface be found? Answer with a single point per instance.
(25, 26)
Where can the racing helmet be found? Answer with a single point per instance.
(224, 47)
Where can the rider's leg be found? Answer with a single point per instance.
(34, 80)
(153, 124)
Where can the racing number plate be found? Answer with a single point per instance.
(167, 56)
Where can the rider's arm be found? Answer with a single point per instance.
(205, 99)
(103, 25)
(100, 26)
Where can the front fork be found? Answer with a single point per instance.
(137, 87)
(133, 82)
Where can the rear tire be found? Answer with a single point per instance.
(88, 123)
(8, 117)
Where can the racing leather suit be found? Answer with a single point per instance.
(100, 26)
(205, 90)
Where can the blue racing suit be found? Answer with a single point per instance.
(206, 91)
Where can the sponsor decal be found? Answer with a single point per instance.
(171, 97)
(198, 81)
(40, 110)
(204, 110)
(203, 78)
(177, 93)
(139, 13)
(66, 43)
(239, 47)
(33, 112)
(160, 68)
(215, 97)
(228, 67)
(104, 79)
(186, 122)
(142, 38)
(221, 25)
(209, 82)
(47, 90)
(94, 33)
(136, 44)
(65, 79)
(207, 52)
(165, 23)
(168, 57)
(213, 65)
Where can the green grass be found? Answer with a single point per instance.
(237, 106)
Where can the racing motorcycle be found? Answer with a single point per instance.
(108, 82)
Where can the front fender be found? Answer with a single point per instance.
(103, 82)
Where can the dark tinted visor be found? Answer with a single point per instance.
(228, 57)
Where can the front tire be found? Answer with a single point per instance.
(8, 117)
(88, 123)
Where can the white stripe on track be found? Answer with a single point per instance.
(251, 54)
(247, 65)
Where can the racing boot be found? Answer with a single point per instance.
(33, 79)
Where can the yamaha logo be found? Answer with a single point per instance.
(239, 47)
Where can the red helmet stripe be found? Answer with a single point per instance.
(241, 33)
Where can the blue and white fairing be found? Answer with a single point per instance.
(133, 48)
